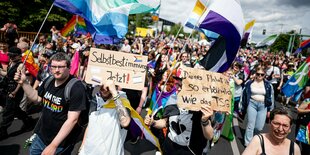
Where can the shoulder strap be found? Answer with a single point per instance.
(291, 148)
(48, 81)
(261, 139)
(68, 88)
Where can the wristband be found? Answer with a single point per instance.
(116, 97)
(204, 123)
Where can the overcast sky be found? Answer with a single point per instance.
(276, 16)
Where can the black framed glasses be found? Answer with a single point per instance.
(260, 74)
(59, 67)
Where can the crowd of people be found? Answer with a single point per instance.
(258, 76)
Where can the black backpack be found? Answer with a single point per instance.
(83, 118)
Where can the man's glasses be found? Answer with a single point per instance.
(260, 74)
(58, 67)
(277, 125)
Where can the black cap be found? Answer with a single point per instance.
(14, 51)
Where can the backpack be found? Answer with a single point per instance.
(83, 118)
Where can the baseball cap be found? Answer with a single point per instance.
(75, 45)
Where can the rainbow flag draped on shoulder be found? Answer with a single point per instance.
(107, 21)
(157, 108)
(295, 85)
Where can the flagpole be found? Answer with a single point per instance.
(203, 11)
(38, 34)
(177, 64)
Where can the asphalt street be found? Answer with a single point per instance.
(14, 145)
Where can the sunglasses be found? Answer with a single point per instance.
(259, 74)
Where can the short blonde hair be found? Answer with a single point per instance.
(23, 45)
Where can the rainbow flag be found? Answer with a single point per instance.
(75, 25)
(30, 64)
(107, 21)
(295, 85)
(158, 108)
(137, 126)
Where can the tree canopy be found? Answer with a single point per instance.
(29, 15)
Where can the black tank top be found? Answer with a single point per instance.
(261, 139)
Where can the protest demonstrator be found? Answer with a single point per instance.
(40, 47)
(275, 141)
(4, 62)
(14, 97)
(45, 68)
(303, 122)
(257, 101)
(187, 114)
(238, 77)
(108, 120)
(55, 131)
(11, 34)
(191, 115)
(273, 75)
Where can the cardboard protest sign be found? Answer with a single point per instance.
(204, 87)
(127, 70)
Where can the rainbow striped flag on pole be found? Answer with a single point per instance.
(75, 25)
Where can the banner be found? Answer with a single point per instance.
(143, 32)
(204, 87)
(127, 70)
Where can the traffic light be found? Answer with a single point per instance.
(264, 31)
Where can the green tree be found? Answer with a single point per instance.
(282, 42)
(174, 29)
(29, 15)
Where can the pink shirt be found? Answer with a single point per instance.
(4, 58)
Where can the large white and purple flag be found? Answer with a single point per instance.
(224, 17)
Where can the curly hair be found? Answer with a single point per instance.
(171, 81)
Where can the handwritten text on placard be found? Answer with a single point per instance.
(127, 70)
(204, 87)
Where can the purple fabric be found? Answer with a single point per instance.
(217, 23)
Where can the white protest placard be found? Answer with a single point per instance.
(204, 87)
(127, 70)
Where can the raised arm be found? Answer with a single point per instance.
(31, 93)
(207, 129)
